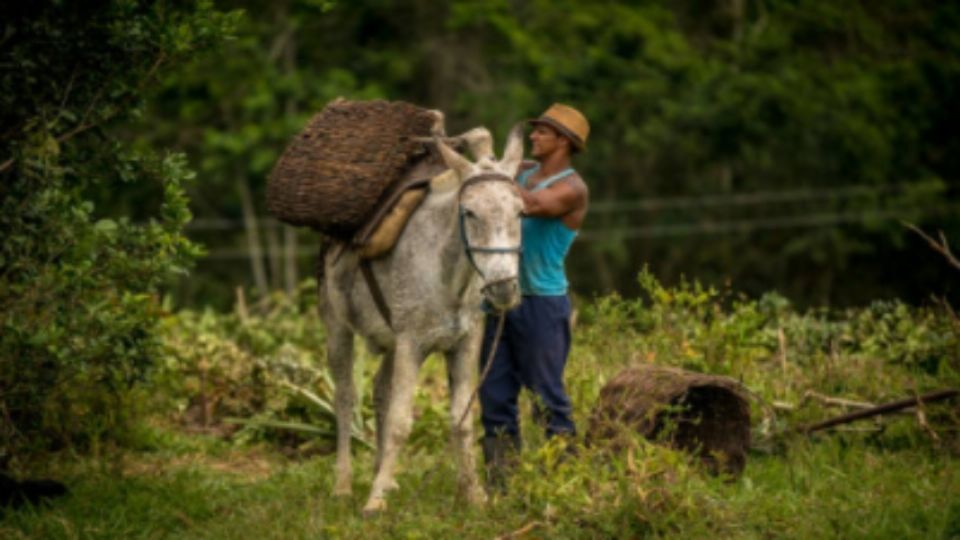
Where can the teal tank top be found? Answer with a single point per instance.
(546, 242)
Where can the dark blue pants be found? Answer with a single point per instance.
(532, 352)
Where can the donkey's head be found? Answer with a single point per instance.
(490, 209)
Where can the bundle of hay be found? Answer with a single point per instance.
(705, 414)
(334, 172)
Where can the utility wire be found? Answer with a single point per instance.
(659, 203)
(706, 228)
(751, 225)
(741, 199)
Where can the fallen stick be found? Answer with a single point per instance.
(938, 395)
(520, 532)
(835, 401)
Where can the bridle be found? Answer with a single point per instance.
(468, 248)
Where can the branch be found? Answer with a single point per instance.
(520, 532)
(84, 125)
(942, 247)
(835, 401)
(881, 409)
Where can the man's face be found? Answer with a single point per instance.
(545, 141)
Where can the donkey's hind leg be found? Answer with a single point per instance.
(381, 397)
(340, 356)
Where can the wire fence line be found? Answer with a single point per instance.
(759, 224)
(701, 228)
(758, 198)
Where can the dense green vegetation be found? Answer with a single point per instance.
(81, 269)
(773, 144)
(190, 475)
(771, 147)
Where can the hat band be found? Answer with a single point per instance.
(564, 130)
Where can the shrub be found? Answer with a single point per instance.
(80, 275)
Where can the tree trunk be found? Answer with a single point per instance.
(289, 233)
(253, 237)
(736, 13)
(274, 254)
(291, 275)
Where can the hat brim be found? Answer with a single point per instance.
(576, 140)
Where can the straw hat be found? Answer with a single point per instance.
(568, 121)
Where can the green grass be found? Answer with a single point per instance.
(880, 479)
(839, 486)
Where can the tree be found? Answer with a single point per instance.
(836, 113)
(80, 276)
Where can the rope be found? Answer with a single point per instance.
(486, 368)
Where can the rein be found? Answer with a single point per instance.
(486, 368)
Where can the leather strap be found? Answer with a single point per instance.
(468, 248)
(376, 292)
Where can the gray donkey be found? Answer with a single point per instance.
(461, 246)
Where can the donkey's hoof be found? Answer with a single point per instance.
(342, 486)
(374, 507)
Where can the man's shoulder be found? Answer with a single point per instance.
(577, 182)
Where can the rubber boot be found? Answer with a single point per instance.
(500, 456)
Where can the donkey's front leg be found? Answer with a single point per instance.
(397, 420)
(340, 357)
(462, 365)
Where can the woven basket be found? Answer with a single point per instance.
(333, 173)
(705, 414)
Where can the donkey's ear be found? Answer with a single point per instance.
(454, 160)
(480, 143)
(513, 153)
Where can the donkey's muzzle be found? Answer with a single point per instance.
(502, 294)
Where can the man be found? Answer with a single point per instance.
(533, 349)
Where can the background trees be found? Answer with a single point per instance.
(91, 226)
(770, 144)
(767, 144)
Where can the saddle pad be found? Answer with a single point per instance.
(385, 236)
(382, 233)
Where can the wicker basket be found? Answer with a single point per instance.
(705, 414)
(333, 173)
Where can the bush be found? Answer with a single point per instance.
(80, 276)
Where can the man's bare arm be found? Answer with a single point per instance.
(556, 201)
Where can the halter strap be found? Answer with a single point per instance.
(467, 247)
(485, 177)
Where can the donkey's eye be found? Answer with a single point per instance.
(469, 213)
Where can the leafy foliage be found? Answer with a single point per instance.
(771, 144)
(79, 284)
(874, 481)
(885, 351)
(263, 371)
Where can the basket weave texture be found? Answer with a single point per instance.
(332, 174)
(705, 414)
